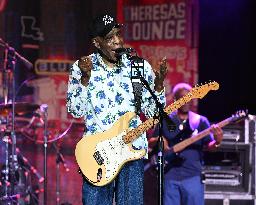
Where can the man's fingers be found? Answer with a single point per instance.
(85, 64)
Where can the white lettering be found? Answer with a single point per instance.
(134, 13)
(180, 29)
(156, 12)
(136, 31)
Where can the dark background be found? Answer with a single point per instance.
(226, 55)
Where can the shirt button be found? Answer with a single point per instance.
(181, 127)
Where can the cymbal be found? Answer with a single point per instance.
(21, 108)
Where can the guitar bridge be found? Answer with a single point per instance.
(98, 158)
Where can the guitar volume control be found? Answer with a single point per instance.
(99, 175)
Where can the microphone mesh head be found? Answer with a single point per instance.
(43, 107)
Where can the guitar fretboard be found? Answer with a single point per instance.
(149, 123)
(182, 145)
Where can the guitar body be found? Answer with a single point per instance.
(101, 156)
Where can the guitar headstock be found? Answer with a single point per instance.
(202, 90)
(196, 92)
(239, 115)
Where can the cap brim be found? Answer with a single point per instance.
(118, 25)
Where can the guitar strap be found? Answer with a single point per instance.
(194, 120)
(137, 91)
(137, 70)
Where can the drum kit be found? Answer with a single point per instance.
(16, 172)
(15, 169)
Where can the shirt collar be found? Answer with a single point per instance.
(117, 68)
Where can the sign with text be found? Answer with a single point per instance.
(52, 67)
(166, 28)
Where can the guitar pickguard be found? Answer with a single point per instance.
(114, 152)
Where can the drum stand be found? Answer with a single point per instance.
(59, 159)
(9, 78)
(6, 170)
(9, 82)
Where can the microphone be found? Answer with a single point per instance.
(43, 107)
(122, 51)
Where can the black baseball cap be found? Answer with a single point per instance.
(102, 25)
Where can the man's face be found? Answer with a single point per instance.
(186, 107)
(108, 44)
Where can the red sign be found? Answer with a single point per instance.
(158, 28)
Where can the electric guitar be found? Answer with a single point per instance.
(172, 154)
(101, 156)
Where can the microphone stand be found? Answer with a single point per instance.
(161, 115)
(25, 61)
(160, 143)
(44, 108)
(59, 159)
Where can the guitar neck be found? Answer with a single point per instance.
(149, 123)
(135, 133)
(197, 92)
(182, 145)
(177, 104)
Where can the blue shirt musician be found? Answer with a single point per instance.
(182, 180)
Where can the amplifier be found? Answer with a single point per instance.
(233, 135)
(240, 132)
(223, 176)
(229, 202)
(228, 169)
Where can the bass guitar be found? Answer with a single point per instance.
(171, 155)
